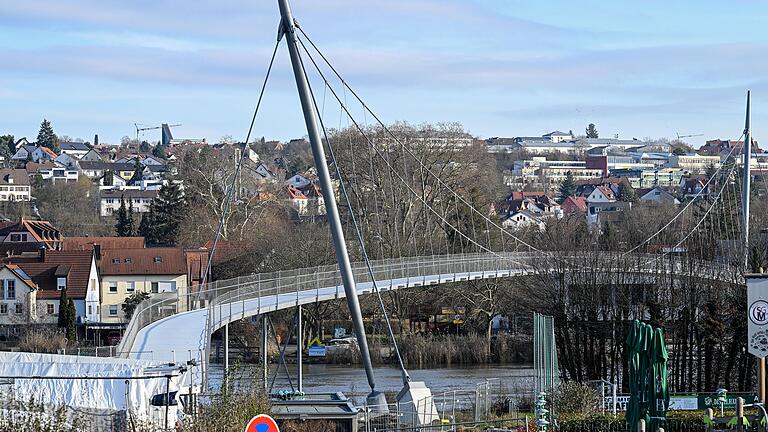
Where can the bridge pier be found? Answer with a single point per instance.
(226, 347)
(299, 348)
(264, 349)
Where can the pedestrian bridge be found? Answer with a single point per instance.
(169, 327)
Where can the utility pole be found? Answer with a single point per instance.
(288, 28)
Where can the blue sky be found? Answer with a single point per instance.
(500, 67)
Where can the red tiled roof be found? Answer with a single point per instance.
(75, 264)
(42, 231)
(574, 204)
(142, 261)
(49, 151)
(86, 243)
(228, 249)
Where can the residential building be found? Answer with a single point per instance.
(96, 170)
(18, 297)
(658, 195)
(35, 234)
(523, 219)
(53, 172)
(601, 194)
(52, 271)
(574, 205)
(149, 270)
(547, 174)
(718, 147)
(14, 185)
(92, 156)
(558, 136)
(599, 213)
(110, 200)
(76, 149)
(694, 185)
(33, 153)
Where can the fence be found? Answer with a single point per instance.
(489, 403)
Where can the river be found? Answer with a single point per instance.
(351, 380)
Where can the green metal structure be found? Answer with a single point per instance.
(647, 371)
(545, 353)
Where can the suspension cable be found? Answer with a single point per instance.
(231, 189)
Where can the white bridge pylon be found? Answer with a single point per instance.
(168, 327)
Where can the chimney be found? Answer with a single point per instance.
(97, 251)
(42, 253)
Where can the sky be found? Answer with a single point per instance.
(499, 67)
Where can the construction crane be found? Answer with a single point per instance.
(141, 129)
(687, 136)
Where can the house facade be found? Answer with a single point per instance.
(18, 297)
(149, 270)
(52, 272)
(141, 199)
(14, 185)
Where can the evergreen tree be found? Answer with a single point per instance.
(592, 131)
(63, 306)
(567, 188)
(148, 227)
(46, 137)
(144, 147)
(131, 227)
(71, 319)
(169, 206)
(124, 223)
(159, 151)
(7, 146)
(627, 194)
(138, 171)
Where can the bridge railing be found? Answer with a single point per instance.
(301, 282)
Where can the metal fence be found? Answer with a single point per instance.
(489, 403)
(227, 300)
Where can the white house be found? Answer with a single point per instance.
(53, 171)
(522, 219)
(76, 149)
(33, 153)
(14, 185)
(141, 199)
(17, 296)
(659, 196)
(601, 194)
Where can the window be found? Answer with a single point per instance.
(90, 309)
(19, 308)
(10, 289)
(51, 309)
(113, 287)
(158, 259)
(3, 308)
(115, 260)
(128, 260)
(23, 237)
(110, 200)
(155, 287)
(112, 310)
(130, 286)
(61, 283)
(15, 237)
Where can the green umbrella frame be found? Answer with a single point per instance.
(647, 373)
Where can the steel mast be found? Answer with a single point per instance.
(288, 28)
(747, 148)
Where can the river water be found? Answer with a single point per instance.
(351, 380)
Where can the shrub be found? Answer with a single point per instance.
(575, 399)
(43, 340)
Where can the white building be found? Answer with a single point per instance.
(14, 185)
(141, 199)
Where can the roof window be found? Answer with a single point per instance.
(158, 259)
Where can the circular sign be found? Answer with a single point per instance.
(262, 423)
(758, 312)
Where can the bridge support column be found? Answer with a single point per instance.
(263, 352)
(226, 347)
(299, 348)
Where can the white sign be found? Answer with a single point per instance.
(317, 351)
(757, 315)
(677, 403)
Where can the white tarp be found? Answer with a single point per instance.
(109, 394)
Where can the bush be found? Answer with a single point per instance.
(677, 421)
(575, 399)
(43, 340)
